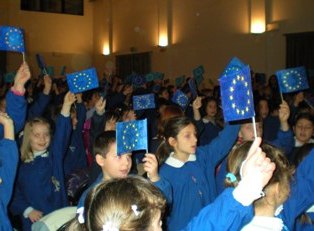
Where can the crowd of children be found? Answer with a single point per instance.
(201, 173)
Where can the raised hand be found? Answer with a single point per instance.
(22, 76)
(69, 99)
(284, 113)
(47, 84)
(151, 167)
(100, 106)
(8, 126)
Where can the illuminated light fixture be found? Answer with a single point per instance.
(106, 50)
(258, 18)
(163, 40)
(163, 36)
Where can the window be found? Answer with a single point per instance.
(75, 7)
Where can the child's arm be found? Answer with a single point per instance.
(151, 167)
(231, 210)
(8, 158)
(40, 104)
(15, 102)
(301, 192)
(219, 147)
(284, 138)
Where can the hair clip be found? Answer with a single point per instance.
(231, 177)
(134, 208)
(109, 226)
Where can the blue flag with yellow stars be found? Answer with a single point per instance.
(180, 98)
(138, 80)
(83, 80)
(193, 87)
(9, 77)
(198, 73)
(131, 136)
(142, 102)
(236, 94)
(41, 62)
(180, 81)
(11, 39)
(292, 79)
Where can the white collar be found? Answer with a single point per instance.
(41, 154)
(299, 144)
(174, 162)
(262, 223)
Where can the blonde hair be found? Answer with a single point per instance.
(282, 174)
(26, 150)
(129, 204)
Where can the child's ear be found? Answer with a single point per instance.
(172, 141)
(99, 159)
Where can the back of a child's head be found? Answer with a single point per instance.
(124, 204)
(26, 150)
(282, 174)
(103, 142)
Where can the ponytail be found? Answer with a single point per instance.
(163, 152)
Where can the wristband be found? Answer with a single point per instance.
(18, 93)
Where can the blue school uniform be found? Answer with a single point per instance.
(8, 165)
(301, 193)
(75, 157)
(40, 183)
(192, 183)
(225, 213)
(16, 108)
(37, 108)
(208, 132)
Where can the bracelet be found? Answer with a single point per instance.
(18, 93)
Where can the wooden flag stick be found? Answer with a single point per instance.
(254, 127)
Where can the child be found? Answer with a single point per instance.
(40, 180)
(114, 166)
(208, 126)
(133, 203)
(303, 130)
(75, 158)
(9, 161)
(190, 169)
(283, 201)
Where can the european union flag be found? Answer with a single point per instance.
(11, 39)
(142, 102)
(50, 70)
(41, 63)
(198, 71)
(180, 81)
(9, 77)
(83, 80)
(292, 79)
(149, 77)
(236, 94)
(193, 87)
(138, 80)
(63, 69)
(235, 65)
(131, 136)
(180, 98)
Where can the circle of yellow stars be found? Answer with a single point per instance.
(13, 38)
(141, 102)
(129, 143)
(297, 77)
(239, 79)
(182, 99)
(82, 78)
